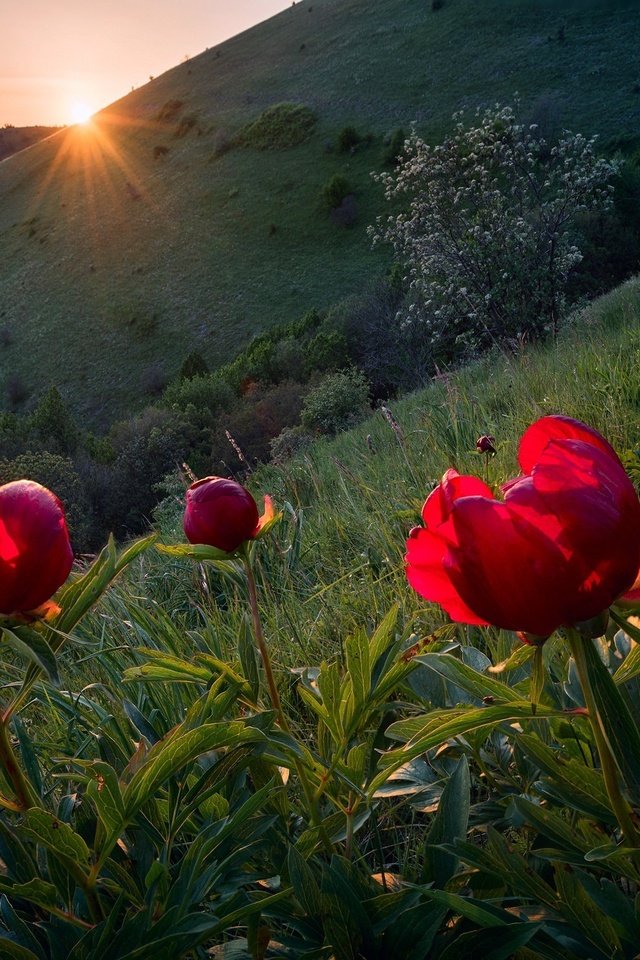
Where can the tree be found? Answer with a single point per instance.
(485, 235)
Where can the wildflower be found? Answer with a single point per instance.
(558, 550)
(486, 444)
(222, 513)
(35, 552)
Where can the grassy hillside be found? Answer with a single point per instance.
(127, 244)
(13, 139)
(349, 504)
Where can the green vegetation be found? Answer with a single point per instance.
(190, 238)
(416, 789)
(279, 127)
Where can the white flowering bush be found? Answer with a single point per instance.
(486, 233)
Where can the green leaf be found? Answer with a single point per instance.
(32, 646)
(40, 892)
(10, 950)
(383, 636)
(249, 660)
(179, 748)
(450, 822)
(479, 685)
(576, 905)
(576, 785)
(358, 667)
(630, 666)
(58, 837)
(422, 733)
(104, 790)
(618, 724)
(494, 944)
(303, 881)
(194, 551)
(164, 666)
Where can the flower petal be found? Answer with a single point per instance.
(537, 437)
(506, 569)
(428, 576)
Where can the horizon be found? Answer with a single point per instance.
(62, 64)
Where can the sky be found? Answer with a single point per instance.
(61, 60)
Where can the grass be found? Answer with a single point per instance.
(97, 225)
(335, 564)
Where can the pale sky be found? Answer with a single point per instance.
(59, 58)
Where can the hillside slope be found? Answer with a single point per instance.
(128, 243)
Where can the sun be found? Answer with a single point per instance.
(80, 112)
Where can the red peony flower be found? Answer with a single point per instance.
(35, 553)
(222, 513)
(558, 550)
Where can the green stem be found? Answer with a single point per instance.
(262, 646)
(312, 803)
(24, 792)
(619, 805)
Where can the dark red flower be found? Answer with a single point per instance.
(486, 444)
(222, 513)
(35, 553)
(559, 549)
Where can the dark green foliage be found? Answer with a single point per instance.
(326, 351)
(339, 401)
(59, 474)
(395, 148)
(279, 127)
(186, 123)
(52, 424)
(335, 190)
(348, 139)
(193, 365)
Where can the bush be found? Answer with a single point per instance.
(193, 365)
(207, 393)
(335, 190)
(395, 148)
(160, 151)
(485, 234)
(53, 425)
(288, 443)
(339, 401)
(281, 126)
(348, 139)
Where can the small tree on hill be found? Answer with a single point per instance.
(485, 235)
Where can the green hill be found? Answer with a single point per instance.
(163, 228)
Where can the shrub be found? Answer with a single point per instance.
(154, 379)
(288, 443)
(339, 401)
(348, 139)
(328, 350)
(53, 425)
(278, 127)
(395, 148)
(335, 190)
(193, 365)
(169, 111)
(160, 151)
(484, 235)
(208, 394)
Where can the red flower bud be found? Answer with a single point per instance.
(486, 444)
(220, 513)
(559, 549)
(35, 553)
